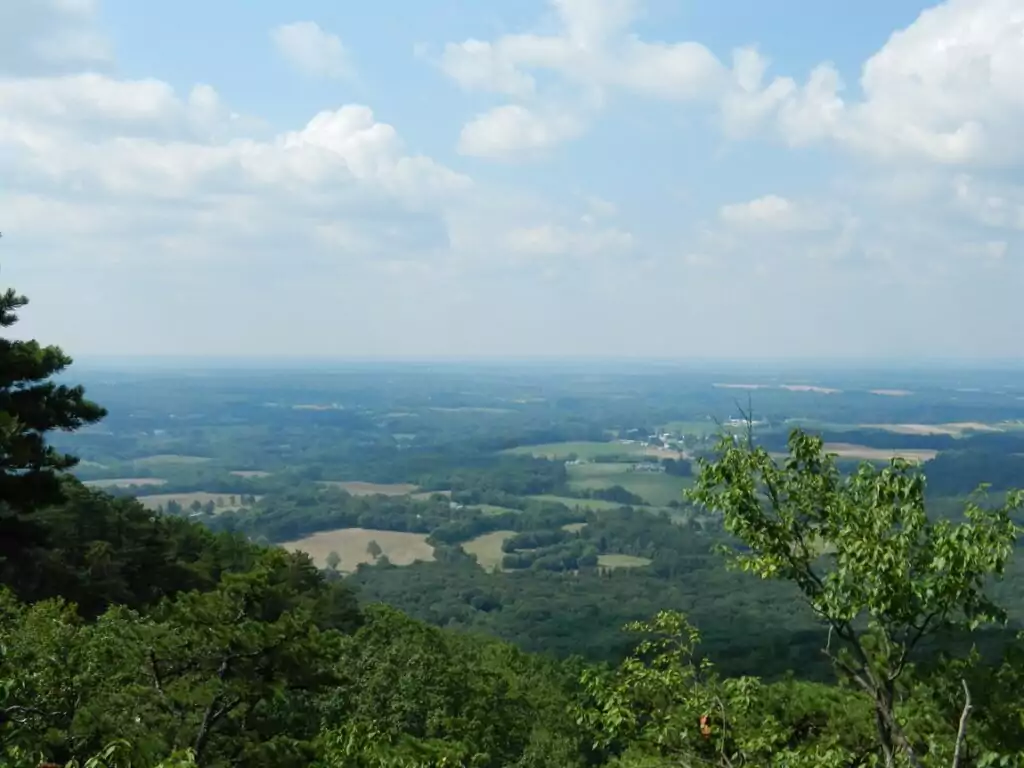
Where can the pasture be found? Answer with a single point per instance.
(852, 451)
(169, 460)
(657, 488)
(594, 505)
(579, 449)
(222, 501)
(350, 544)
(621, 561)
(359, 488)
(125, 482)
(487, 549)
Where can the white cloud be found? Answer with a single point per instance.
(946, 89)
(312, 50)
(49, 37)
(778, 214)
(511, 130)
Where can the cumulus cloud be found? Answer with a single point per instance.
(513, 129)
(312, 50)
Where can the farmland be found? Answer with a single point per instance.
(580, 450)
(359, 488)
(852, 451)
(622, 561)
(222, 501)
(125, 482)
(351, 545)
(657, 488)
(487, 549)
(169, 459)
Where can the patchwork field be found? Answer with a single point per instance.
(487, 549)
(655, 488)
(956, 429)
(621, 561)
(852, 451)
(169, 459)
(125, 482)
(359, 488)
(222, 501)
(582, 450)
(351, 543)
(427, 495)
(596, 505)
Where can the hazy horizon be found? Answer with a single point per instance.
(520, 179)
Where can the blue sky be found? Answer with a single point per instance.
(520, 178)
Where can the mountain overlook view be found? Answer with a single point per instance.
(522, 384)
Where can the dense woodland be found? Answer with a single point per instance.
(794, 610)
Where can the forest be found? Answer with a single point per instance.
(792, 607)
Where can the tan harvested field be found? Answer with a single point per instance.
(955, 429)
(891, 392)
(350, 544)
(250, 473)
(222, 500)
(359, 488)
(125, 482)
(574, 527)
(809, 388)
(427, 495)
(621, 561)
(487, 549)
(852, 451)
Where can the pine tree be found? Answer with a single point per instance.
(32, 405)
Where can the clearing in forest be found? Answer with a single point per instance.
(487, 549)
(622, 561)
(351, 545)
(851, 451)
(574, 527)
(125, 482)
(359, 488)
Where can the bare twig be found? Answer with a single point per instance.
(961, 733)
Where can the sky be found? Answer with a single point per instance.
(670, 179)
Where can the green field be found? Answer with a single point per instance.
(597, 505)
(657, 488)
(125, 482)
(169, 459)
(706, 427)
(582, 450)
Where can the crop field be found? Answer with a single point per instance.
(359, 488)
(596, 505)
(852, 451)
(956, 429)
(350, 544)
(582, 450)
(222, 501)
(427, 495)
(169, 459)
(125, 482)
(657, 488)
(487, 549)
(621, 561)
